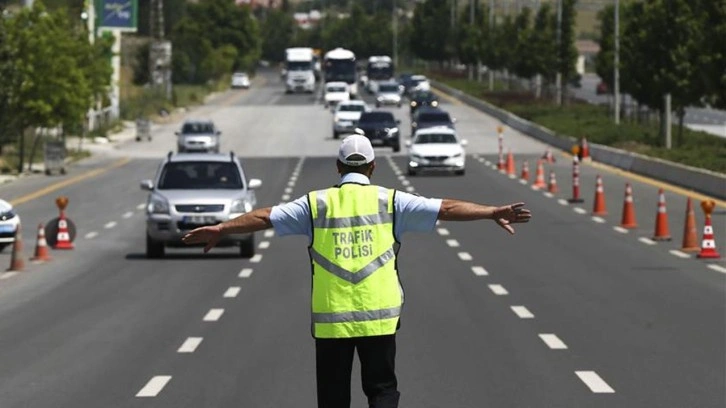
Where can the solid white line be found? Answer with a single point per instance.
(562, 201)
(620, 229)
(288, 190)
(452, 243)
(232, 292)
(7, 275)
(598, 220)
(580, 210)
(269, 233)
(245, 273)
(190, 344)
(479, 271)
(464, 256)
(646, 241)
(264, 244)
(285, 197)
(443, 231)
(213, 315)
(128, 214)
(717, 268)
(548, 194)
(154, 386)
(110, 225)
(141, 206)
(522, 312)
(91, 235)
(594, 382)
(256, 259)
(498, 290)
(553, 342)
(405, 182)
(679, 254)
(410, 189)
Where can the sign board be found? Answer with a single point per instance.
(54, 154)
(121, 15)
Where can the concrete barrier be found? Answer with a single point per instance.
(700, 180)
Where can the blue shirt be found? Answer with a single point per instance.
(412, 213)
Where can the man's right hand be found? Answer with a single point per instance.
(210, 236)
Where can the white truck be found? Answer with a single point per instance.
(379, 69)
(299, 70)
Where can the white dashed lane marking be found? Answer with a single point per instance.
(679, 254)
(548, 194)
(410, 189)
(91, 235)
(452, 243)
(128, 214)
(464, 256)
(553, 342)
(110, 225)
(522, 312)
(245, 273)
(621, 230)
(8, 275)
(498, 290)
(232, 292)
(264, 244)
(269, 233)
(288, 190)
(154, 386)
(562, 201)
(213, 315)
(141, 206)
(598, 220)
(646, 241)
(522, 181)
(479, 271)
(256, 259)
(594, 382)
(717, 268)
(291, 184)
(443, 231)
(190, 345)
(580, 210)
(405, 182)
(286, 197)
(401, 177)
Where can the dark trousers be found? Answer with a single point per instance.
(334, 363)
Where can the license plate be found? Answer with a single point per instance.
(200, 219)
(7, 228)
(376, 141)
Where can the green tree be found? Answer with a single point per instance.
(524, 64)
(277, 32)
(604, 61)
(431, 30)
(542, 40)
(711, 17)
(566, 51)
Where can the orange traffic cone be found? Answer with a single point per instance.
(708, 244)
(548, 156)
(511, 170)
(41, 246)
(525, 171)
(64, 237)
(628, 219)
(662, 232)
(539, 181)
(16, 260)
(599, 207)
(690, 238)
(552, 187)
(584, 150)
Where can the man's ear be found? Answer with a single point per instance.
(338, 165)
(373, 167)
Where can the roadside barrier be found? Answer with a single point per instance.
(599, 202)
(525, 171)
(41, 247)
(16, 260)
(552, 187)
(662, 232)
(575, 181)
(628, 218)
(539, 181)
(690, 237)
(708, 244)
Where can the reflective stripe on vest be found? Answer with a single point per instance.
(356, 291)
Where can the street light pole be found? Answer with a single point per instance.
(558, 79)
(395, 35)
(490, 37)
(616, 63)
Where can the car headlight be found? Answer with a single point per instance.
(7, 215)
(158, 205)
(413, 104)
(240, 206)
(416, 157)
(435, 103)
(380, 98)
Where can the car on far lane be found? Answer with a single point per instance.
(194, 190)
(9, 222)
(419, 99)
(418, 83)
(381, 128)
(436, 148)
(240, 80)
(388, 93)
(346, 116)
(428, 117)
(198, 136)
(335, 92)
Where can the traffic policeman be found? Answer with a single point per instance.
(354, 230)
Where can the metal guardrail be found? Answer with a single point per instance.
(700, 180)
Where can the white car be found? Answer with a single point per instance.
(388, 93)
(436, 148)
(420, 83)
(240, 80)
(346, 116)
(336, 92)
(9, 222)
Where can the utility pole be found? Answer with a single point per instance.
(395, 35)
(616, 63)
(471, 25)
(491, 40)
(160, 51)
(558, 80)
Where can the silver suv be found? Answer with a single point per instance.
(194, 190)
(198, 136)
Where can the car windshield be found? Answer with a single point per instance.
(336, 89)
(388, 88)
(416, 81)
(376, 117)
(241, 76)
(351, 108)
(435, 138)
(423, 96)
(197, 128)
(299, 65)
(200, 175)
(434, 117)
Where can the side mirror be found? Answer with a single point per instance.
(464, 142)
(408, 143)
(254, 183)
(359, 131)
(147, 185)
(398, 121)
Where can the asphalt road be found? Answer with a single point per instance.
(568, 312)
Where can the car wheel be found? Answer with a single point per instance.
(378, 105)
(154, 249)
(460, 172)
(247, 247)
(396, 148)
(398, 104)
(180, 149)
(2, 246)
(411, 172)
(335, 135)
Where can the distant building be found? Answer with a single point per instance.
(586, 52)
(307, 20)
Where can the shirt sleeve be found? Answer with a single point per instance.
(415, 213)
(292, 218)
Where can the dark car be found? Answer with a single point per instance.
(404, 81)
(423, 98)
(426, 117)
(381, 128)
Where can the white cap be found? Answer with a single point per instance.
(355, 145)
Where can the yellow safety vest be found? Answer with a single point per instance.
(356, 291)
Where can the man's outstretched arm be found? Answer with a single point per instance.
(458, 210)
(256, 220)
